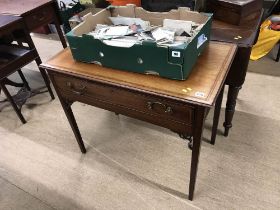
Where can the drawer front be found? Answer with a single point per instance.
(163, 109)
(39, 17)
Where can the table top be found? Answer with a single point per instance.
(9, 23)
(7, 20)
(238, 34)
(21, 7)
(237, 2)
(201, 87)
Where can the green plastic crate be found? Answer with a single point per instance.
(147, 58)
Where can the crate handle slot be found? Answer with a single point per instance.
(152, 73)
(201, 40)
(97, 63)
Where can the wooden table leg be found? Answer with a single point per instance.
(24, 80)
(45, 77)
(217, 116)
(278, 54)
(11, 100)
(47, 82)
(60, 33)
(38, 62)
(197, 134)
(66, 105)
(230, 107)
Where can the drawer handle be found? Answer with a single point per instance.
(167, 109)
(79, 91)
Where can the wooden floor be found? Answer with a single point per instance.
(134, 165)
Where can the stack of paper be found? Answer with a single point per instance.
(125, 32)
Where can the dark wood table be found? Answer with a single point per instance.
(35, 13)
(244, 36)
(15, 29)
(180, 106)
(10, 26)
(13, 57)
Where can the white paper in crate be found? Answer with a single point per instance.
(178, 26)
(145, 25)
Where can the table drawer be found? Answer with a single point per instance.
(39, 17)
(152, 105)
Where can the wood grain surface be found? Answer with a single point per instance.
(20, 8)
(242, 35)
(201, 87)
(6, 20)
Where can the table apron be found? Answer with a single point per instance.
(40, 17)
(171, 114)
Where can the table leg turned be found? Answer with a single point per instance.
(217, 116)
(197, 134)
(230, 107)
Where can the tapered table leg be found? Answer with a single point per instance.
(24, 80)
(197, 134)
(60, 33)
(38, 62)
(45, 77)
(230, 107)
(217, 116)
(66, 105)
(47, 81)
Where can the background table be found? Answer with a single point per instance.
(36, 13)
(14, 57)
(244, 36)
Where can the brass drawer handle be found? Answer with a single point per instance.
(167, 109)
(79, 91)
